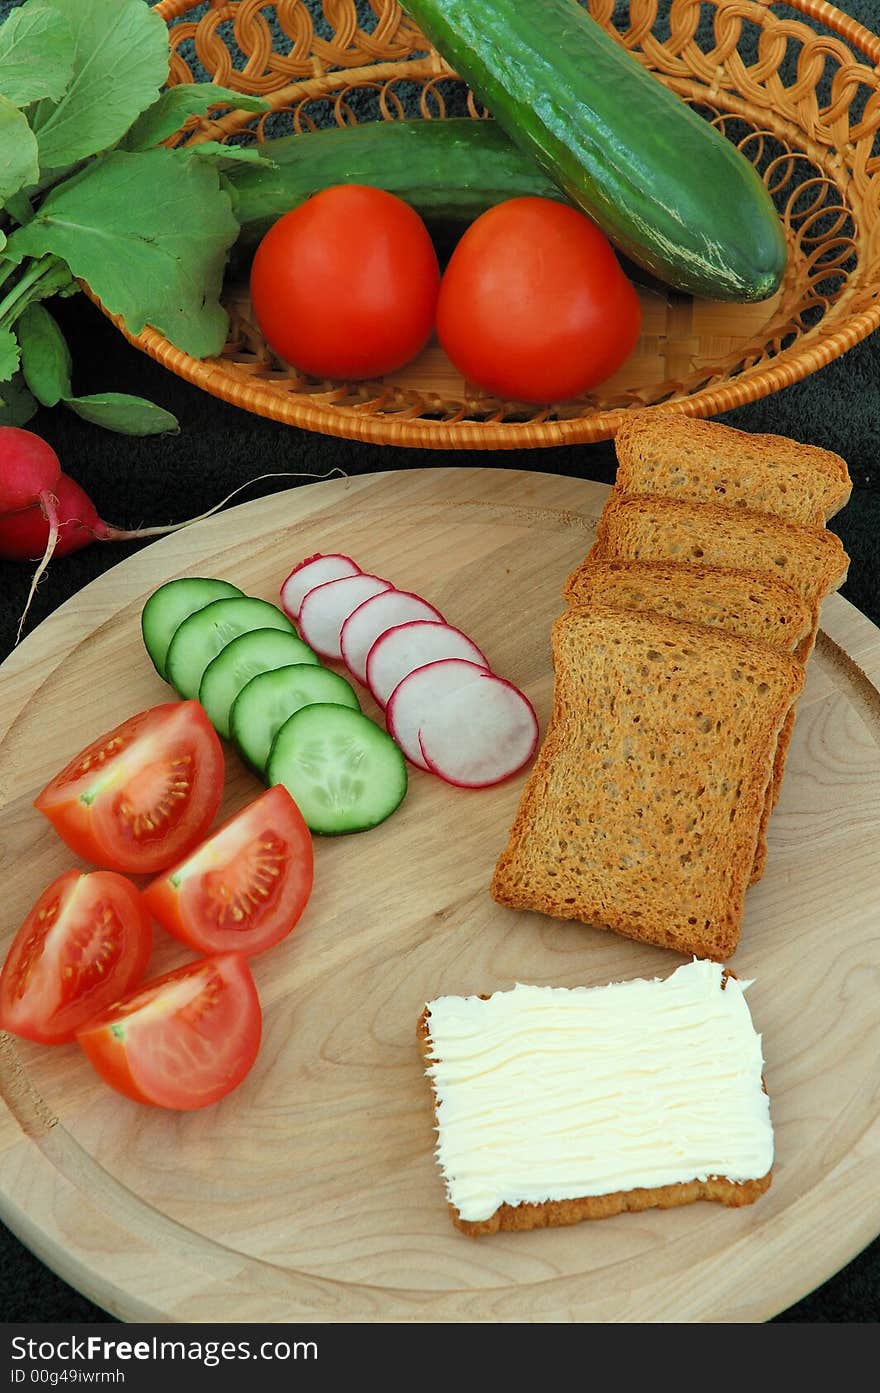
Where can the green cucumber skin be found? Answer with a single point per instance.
(667, 188)
(449, 171)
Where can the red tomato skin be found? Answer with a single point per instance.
(345, 285)
(91, 962)
(534, 306)
(133, 1066)
(272, 831)
(101, 827)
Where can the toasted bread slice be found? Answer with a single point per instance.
(573, 1092)
(642, 811)
(749, 603)
(811, 559)
(642, 528)
(752, 604)
(706, 462)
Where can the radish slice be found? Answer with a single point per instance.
(480, 734)
(373, 618)
(315, 570)
(415, 697)
(402, 649)
(325, 609)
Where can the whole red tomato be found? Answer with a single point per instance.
(533, 305)
(346, 284)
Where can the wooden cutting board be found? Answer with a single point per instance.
(311, 1192)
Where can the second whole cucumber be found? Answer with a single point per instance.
(666, 187)
(449, 171)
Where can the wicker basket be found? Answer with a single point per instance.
(801, 97)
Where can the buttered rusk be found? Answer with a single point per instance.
(552, 1094)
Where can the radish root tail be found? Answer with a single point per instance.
(49, 504)
(163, 530)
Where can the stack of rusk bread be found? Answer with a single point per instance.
(677, 666)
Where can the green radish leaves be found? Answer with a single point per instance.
(37, 281)
(119, 412)
(89, 194)
(46, 366)
(19, 165)
(225, 157)
(9, 355)
(120, 60)
(36, 54)
(20, 209)
(45, 357)
(17, 406)
(175, 105)
(149, 234)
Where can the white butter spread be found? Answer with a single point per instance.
(551, 1093)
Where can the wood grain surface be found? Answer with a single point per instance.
(311, 1193)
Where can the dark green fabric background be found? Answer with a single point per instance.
(137, 482)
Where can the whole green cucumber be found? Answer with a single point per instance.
(449, 171)
(664, 185)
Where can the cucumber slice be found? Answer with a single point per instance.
(342, 771)
(259, 650)
(269, 699)
(200, 637)
(173, 602)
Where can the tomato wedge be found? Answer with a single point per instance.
(144, 794)
(85, 943)
(246, 886)
(183, 1040)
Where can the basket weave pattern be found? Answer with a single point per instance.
(800, 97)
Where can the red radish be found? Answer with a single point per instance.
(373, 618)
(326, 608)
(29, 469)
(315, 570)
(413, 698)
(42, 511)
(401, 650)
(29, 473)
(23, 535)
(480, 734)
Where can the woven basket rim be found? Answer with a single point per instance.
(351, 423)
(826, 14)
(399, 428)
